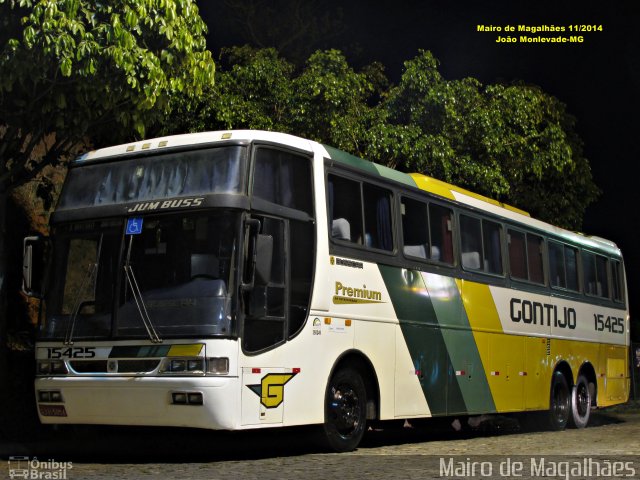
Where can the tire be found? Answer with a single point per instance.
(560, 402)
(345, 411)
(580, 403)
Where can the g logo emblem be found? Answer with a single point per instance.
(271, 389)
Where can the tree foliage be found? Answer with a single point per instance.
(295, 28)
(512, 142)
(73, 71)
(77, 72)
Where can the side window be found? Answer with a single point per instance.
(526, 258)
(283, 178)
(601, 272)
(360, 213)
(557, 276)
(595, 274)
(491, 235)
(571, 268)
(441, 229)
(427, 231)
(345, 209)
(471, 242)
(517, 255)
(534, 258)
(414, 228)
(377, 217)
(617, 277)
(481, 247)
(563, 266)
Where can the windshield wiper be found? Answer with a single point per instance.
(137, 297)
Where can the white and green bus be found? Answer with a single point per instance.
(247, 279)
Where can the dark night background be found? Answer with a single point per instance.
(598, 80)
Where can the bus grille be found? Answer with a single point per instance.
(114, 366)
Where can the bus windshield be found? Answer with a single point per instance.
(173, 276)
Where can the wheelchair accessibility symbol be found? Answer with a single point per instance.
(134, 226)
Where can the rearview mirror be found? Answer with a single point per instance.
(33, 266)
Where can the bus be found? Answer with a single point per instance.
(246, 279)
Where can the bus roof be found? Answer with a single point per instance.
(187, 139)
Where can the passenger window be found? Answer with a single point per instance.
(414, 228)
(534, 257)
(283, 178)
(441, 229)
(563, 267)
(595, 274)
(471, 239)
(345, 209)
(360, 213)
(377, 217)
(427, 235)
(525, 257)
(617, 278)
(601, 272)
(481, 245)
(491, 235)
(571, 268)
(517, 255)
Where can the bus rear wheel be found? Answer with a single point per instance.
(560, 402)
(580, 403)
(345, 411)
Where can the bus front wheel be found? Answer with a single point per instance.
(345, 411)
(580, 403)
(560, 402)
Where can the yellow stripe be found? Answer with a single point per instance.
(446, 190)
(185, 350)
(479, 305)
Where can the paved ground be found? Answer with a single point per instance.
(422, 452)
(403, 453)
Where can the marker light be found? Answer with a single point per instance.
(50, 396)
(218, 366)
(187, 398)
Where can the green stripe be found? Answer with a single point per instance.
(369, 167)
(438, 335)
(461, 345)
(424, 338)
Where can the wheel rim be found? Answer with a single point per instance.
(560, 404)
(344, 409)
(583, 402)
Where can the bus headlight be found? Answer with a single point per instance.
(195, 366)
(51, 367)
(183, 366)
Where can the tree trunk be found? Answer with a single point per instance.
(4, 343)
